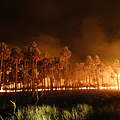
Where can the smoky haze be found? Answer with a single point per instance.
(90, 39)
(94, 40)
(50, 45)
(86, 27)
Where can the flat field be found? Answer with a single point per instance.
(66, 105)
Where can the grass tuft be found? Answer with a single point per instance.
(46, 112)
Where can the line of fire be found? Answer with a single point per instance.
(30, 69)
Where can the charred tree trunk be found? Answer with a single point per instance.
(51, 83)
(1, 71)
(102, 79)
(16, 76)
(118, 81)
(97, 81)
(89, 77)
(33, 76)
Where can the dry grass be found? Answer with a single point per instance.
(46, 112)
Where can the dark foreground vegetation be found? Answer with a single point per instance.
(63, 105)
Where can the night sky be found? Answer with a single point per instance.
(86, 26)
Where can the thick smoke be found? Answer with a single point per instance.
(84, 26)
(50, 45)
(90, 39)
(94, 40)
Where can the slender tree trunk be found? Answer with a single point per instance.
(118, 81)
(1, 71)
(102, 80)
(97, 81)
(16, 75)
(33, 76)
(89, 81)
(24, 77)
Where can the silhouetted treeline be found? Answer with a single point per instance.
(30, 68)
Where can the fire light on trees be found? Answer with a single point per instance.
(29, 69)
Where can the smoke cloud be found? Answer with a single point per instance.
(94, 40)
(89, 37)
(50, 45)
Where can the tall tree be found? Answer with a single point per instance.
(116, 68)
(64, 61)
(3, 56)
(15, 54)
(98, 69)
(32, 55)
(88, 70)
